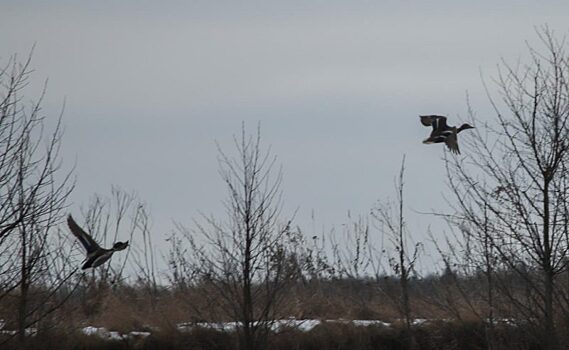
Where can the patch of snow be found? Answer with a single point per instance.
(90, 330)
(30, 332)
(304, 325)
(116, 336)
(367, 323)
(419, 321)
(103, 333)
(138, 334)
(301, 325)
(506, 321)
(308, 325)
(276, 326)
(423, 321)
(218, 326)
(360, 323)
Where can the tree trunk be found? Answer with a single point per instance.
(549, 317)
(22, 302)
(248, 341)
(550, 334)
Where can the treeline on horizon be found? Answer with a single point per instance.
(504, 282)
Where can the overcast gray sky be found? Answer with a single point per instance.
(337, 86)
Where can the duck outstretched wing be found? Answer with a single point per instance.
(438, 122)
(83, 237)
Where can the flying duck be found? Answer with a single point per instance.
(442, 132)
(95, 254)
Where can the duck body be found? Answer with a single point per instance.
(96, 255)
(97, 258)
(442, 132)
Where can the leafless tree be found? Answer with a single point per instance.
(33, 190)
(351, 253)
(145, 253)
(390, 216)
(515, 173)
(244, 262)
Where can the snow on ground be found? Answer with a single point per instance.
(102, 332)
(276, 326)
(30, 332)
(301, 325)
(367, 323)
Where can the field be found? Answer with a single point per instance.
(340, 314)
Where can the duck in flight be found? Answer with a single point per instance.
(95, 254)
(442, 132)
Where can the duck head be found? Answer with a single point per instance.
(464, 127)
(120, 245)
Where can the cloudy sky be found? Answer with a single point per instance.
(337, 87)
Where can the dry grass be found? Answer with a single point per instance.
(126, 309)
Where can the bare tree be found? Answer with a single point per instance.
(516, 174)
(33, 191)
(351, 254)
(245, 265)
(144, 257)
(392, 223)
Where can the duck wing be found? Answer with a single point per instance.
(452, 143)
(438, 122)
(85, 239)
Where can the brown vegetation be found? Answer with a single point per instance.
(125, 308)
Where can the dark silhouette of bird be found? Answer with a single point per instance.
(442, 132)
(95, 254)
